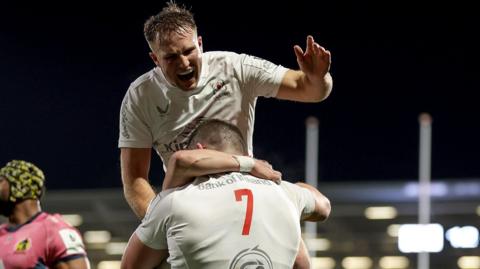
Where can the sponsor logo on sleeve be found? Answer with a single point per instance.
(72, 241)
(264, 65)
(124, 119)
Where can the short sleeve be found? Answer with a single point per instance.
(134, 130)
(302, 198)
(261, 77)
(153, 229)
(65, 242)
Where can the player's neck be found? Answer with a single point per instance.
(23, 211)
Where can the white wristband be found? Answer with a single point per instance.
(246, 163)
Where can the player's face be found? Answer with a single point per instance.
(179, 57)
(4, 189)
(6, 208)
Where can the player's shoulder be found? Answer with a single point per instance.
(146, 82)
(161, 204)
(56, 221)
(144, 78)
(65, 238)
(289, 186)
(219, 56)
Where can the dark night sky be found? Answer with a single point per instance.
(64, 70)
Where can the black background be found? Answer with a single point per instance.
(64, 69)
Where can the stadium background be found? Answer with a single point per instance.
(64, 69)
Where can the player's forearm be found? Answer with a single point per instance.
(185, 165)
(204, 162)
(138, 194)
(135, 164)
(317, 90)
(297, 86)
(322, 204)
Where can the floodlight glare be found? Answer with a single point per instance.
(420, 238)
(463, 237)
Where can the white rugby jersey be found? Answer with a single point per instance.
(231, 221)
(156, 114)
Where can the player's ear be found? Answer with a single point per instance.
(154, 58)
(200, 146)
(200, 43)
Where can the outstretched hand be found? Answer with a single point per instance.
(263, 169)
(314, 62)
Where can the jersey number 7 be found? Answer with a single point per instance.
(248, 216)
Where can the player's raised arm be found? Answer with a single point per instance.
(313, 82)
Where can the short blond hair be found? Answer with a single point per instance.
(172, 19)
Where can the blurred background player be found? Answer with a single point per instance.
(32, 238)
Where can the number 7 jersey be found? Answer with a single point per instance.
(231, 221)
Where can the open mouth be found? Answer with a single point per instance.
(187, 75)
